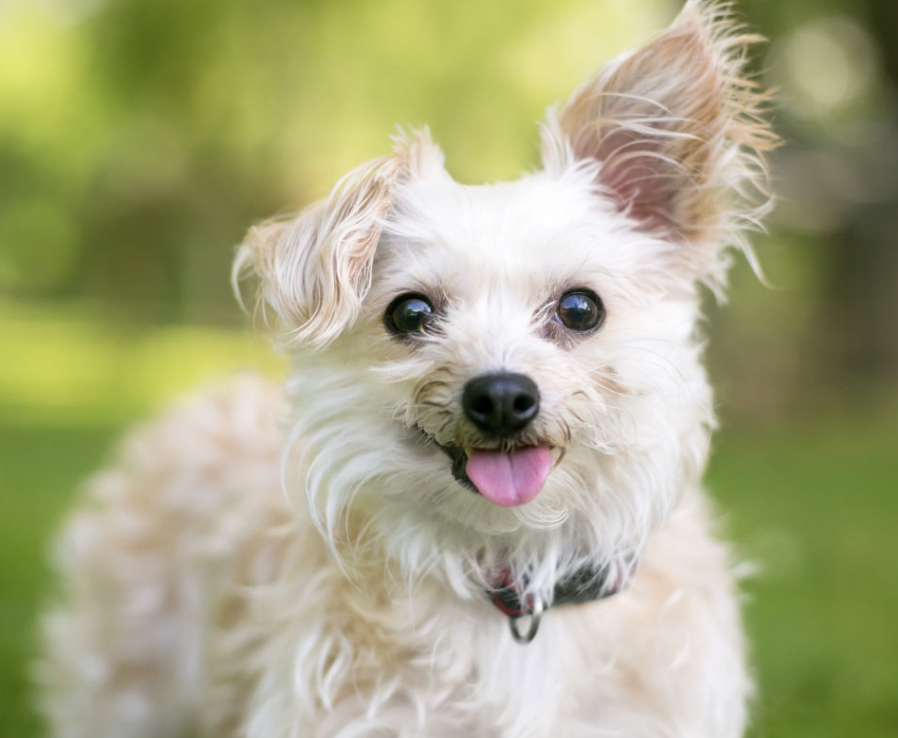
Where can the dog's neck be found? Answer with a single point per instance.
(586, 584)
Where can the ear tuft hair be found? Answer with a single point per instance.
(314, 269)
(679, 130)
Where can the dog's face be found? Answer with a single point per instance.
(527, 346)
(514, 367)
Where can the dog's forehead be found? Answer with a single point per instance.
(536, 230)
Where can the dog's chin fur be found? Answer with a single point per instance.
(329, 580)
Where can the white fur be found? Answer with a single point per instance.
(227, 581)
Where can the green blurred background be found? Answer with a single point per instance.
(140, 138)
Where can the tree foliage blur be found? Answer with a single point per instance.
(140, 138)
(836, 66)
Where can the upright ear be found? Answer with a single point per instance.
(314, 270)
(678, 132)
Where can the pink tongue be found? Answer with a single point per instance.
(510, 479)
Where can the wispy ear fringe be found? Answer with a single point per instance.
(685, 112)
(746, 138)
(314, 269)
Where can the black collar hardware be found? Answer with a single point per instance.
(585, 585)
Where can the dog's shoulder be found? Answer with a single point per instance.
(199, 480)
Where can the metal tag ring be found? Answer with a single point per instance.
(534, 615)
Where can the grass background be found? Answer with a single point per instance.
(813, 504)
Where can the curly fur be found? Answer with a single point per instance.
(231, 579)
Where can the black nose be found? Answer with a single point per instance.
(501, 404)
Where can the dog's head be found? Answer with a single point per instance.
(515, 367)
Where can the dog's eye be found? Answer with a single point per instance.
(409, 314)
(580, 310)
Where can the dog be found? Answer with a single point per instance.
(476, 507)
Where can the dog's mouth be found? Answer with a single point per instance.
(505, 476)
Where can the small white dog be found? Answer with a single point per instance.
(499, 417)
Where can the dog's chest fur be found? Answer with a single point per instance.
(662, 650)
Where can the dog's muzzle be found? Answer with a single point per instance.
(500, 406)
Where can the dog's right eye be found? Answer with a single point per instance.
(580, 311)
(408, 314)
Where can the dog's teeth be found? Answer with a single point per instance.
(468, 451)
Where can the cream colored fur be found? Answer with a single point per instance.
(259, 565)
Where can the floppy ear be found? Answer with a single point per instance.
(315, 269)
(677, 130)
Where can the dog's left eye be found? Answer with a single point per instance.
(580, 310)
(409, 314)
